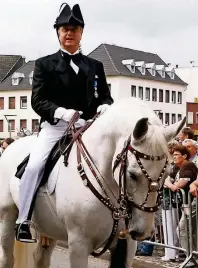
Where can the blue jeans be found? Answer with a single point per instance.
(145, 248)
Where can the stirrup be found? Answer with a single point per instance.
(26, 240)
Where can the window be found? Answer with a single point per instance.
(143, 70)
(35, 125)
(179, 117)
(173, 97)
(1, 103)
(133, 68)
(16, 78)
(179, 97)
(161, 97)
(172, 75)
(190, 118)
(196, 118)
(23, 124)
(154, 94)
(153, 72)
(167, 96)
(23, 102)
(147, 95)
(133, 91)
(30, 80)
(1, 125)
(15, 81)
(161, 116)
(140, 93)
(31, 77)
(173, 118)
(11, 125)
(11, 102)
(167, 119)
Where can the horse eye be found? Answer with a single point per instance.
(132, 176)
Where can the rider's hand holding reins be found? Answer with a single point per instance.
(65, 114)
(102, 108)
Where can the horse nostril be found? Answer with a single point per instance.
(135, 235)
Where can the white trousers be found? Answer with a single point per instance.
(169, 221)
(32, 176)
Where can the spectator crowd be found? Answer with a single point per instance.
(181, 179)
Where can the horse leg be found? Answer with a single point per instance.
(131, 250)
(42, 256)
(8, 217)
(78, 252)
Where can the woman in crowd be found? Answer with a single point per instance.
(169, 212)
(185, 176)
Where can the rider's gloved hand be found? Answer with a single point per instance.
(102, 108)
(68, 114)
(65, 114)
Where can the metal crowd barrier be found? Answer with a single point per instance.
(181, 218)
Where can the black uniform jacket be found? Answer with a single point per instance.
(55, 84)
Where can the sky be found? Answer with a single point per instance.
(168, 28)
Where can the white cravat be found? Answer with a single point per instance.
(72, 64)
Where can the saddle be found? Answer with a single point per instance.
(62, 147)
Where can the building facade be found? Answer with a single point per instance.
(16, 113)
(132, 73)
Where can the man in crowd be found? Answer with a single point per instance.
(186, 133)
(191, 145)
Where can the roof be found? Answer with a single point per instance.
(26, 69)
(7, 64)
(111, 56)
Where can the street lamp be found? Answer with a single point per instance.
(9, 124)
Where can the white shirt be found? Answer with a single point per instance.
(60, 111)
(72, 64)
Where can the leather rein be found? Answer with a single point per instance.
(122, 211)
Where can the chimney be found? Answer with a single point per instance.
(176, 66)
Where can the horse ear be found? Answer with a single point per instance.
(140, 129)
(173, 130)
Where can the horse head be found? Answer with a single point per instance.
(146, 159)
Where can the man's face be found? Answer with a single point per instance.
(70, 36)
(191, 148)
(182, 136)
(4, 146)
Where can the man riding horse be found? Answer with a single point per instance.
(63, 83)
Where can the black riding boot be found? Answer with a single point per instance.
(23, 233)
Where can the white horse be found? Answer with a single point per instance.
(73, 213)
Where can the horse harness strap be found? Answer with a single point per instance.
(104, 200)
(154, 186)
(122, 211)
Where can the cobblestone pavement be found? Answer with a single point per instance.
(60, 260)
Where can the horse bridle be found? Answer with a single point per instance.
(122, 211)
(154, 186)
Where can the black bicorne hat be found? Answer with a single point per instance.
(69, 16)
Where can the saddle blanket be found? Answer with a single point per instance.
(52, 165)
